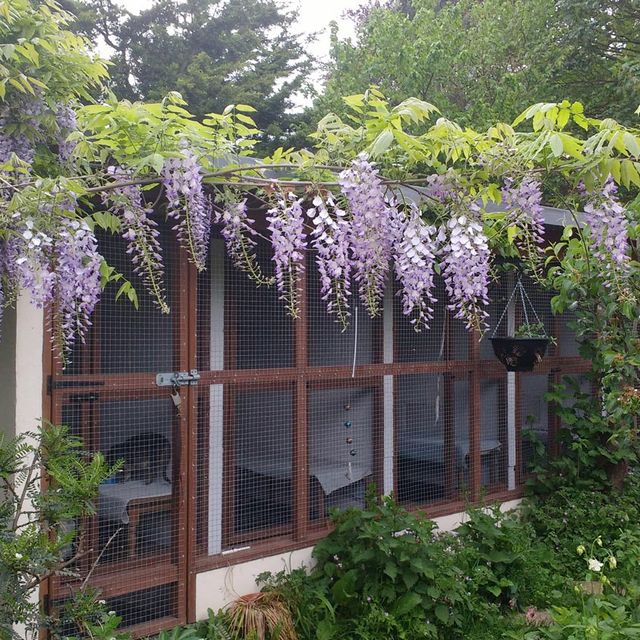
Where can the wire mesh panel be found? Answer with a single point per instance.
(494, 434)
(568, 345)
(534, 417)
(431, 437)
(258, 330)
(342, 423)
(132, 550)
(258, 475)
(329, 343)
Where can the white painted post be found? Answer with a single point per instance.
(216, 413)
(387, 355)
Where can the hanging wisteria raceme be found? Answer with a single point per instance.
(331, 241)
(238, 233)
(607, 223)
(33, 264)
(77, 287)
(373, 230)
(189, 205)
(59, 265)
(465, 259)
(140, 231)
(524, 202)
(288, 239)
(414, 259)
(67, 123)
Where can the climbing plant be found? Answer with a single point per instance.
(388, 184)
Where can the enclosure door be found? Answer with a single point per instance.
(135, 547)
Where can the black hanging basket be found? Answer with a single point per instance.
(519, 354)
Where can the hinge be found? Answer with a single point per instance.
(178, 378)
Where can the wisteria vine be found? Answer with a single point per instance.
(141, 232)
(288, 239)
(414, 259)
(188, 205)
(236, 228)
(331, 241)
(359, 235)
(373, 229)
(607, 224)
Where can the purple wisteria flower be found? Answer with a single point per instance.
(189, 205)
(58, 266)
(67, 123)
(373, 230)
(331, 241)
(524, 202)
(414, 255)
(465, 265)
(77, 290)
(238, 233)
(607, 222)
(288, 239)
(33, 265)
(140, 231)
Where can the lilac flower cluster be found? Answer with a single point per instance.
(330, 239)
(288, 239)
(373, 229)
(58, 266)
(465, 265)
(189, 205)
(141, 233)
(67, 123)
(77, 291)
(607, 222)
(414, 256)
(33, 268)
(524, 202)
(238, 232)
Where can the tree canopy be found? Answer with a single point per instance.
(214, 52)
(486, 61)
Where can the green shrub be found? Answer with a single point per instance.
(504, 561)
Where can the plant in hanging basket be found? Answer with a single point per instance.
(523, 350)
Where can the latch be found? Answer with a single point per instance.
(178, 378)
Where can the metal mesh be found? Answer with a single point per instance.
(431, 429)
(132, 549)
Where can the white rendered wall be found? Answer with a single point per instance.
(217, 588)
(28, 365)
(21, 372)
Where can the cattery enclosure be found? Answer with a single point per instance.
(273, 422)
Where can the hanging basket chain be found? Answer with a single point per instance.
(524, 297)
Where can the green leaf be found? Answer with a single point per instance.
(382, 143)
(442, 613)
(556, 145)
(406, 603)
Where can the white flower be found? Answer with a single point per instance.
(613, 563)
(18, 556)
(595, 565)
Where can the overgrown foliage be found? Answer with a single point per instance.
(486, 61)
(47, 483)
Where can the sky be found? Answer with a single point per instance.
(315, 16)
